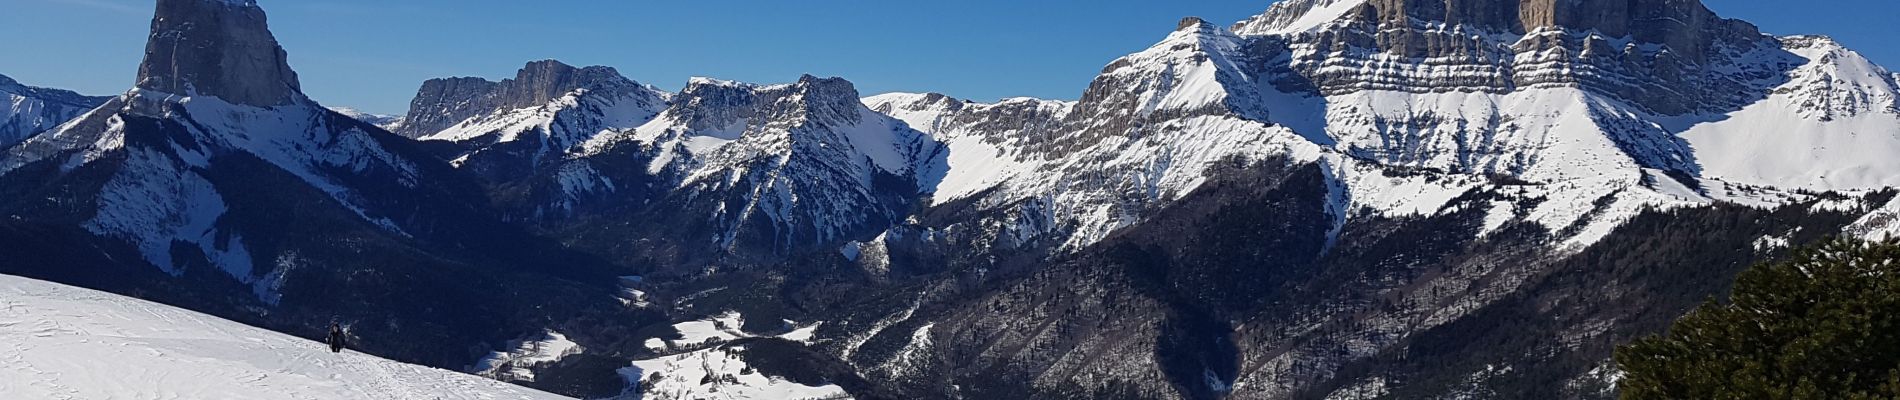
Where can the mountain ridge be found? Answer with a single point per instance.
(1326, 200)
(31, 110)
(279, 212)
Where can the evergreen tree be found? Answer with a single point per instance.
(1824, 324)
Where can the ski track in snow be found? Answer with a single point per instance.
(68, 343)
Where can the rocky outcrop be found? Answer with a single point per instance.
(443, 103)
(220, 48)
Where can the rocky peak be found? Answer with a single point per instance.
(937, 100)
(833, 95)
(220, 48)
(1191, 23)
(715, 105)
(442, 103)
(542, 81)
(712, 105)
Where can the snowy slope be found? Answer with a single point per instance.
(1834, 126)
(159, 196)
(1294, 16)
(989, 143)
(68, 343)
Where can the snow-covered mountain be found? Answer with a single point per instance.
(66, 342)
(1333, 199)
(387, 122)
(159, 151)
(215, 183)
(754, 167)
(1584, 108)
(730, 168)
(785, 166)
(26, 110)
(511, 130)
(1529, 131)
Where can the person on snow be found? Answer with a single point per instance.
(336, 338)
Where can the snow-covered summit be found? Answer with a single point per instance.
(806, 158)
(66, 342)
(443, 104)
(514, 128)
(726, 123)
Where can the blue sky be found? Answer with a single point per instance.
(372, 54)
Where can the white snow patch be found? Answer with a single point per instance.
(803, 334)
(516, 362)
(723, 327)
(717, 374)
(975, 165)
(1767, 243)
(1500, 213)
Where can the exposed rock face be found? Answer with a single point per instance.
(1684, 25)
(442, 103)
(26, 110)
(1659, 54)
(220, 48)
